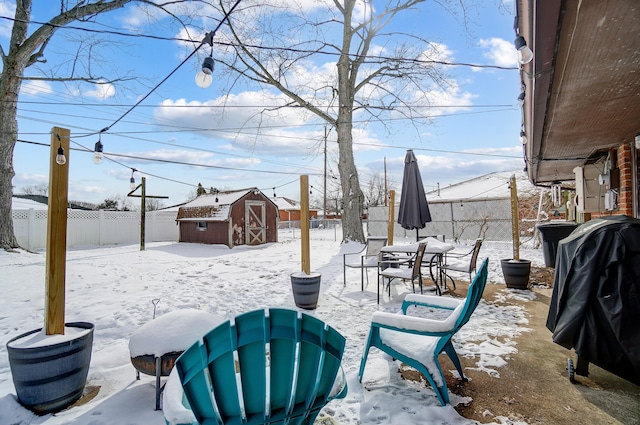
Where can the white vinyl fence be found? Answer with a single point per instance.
(96, 227)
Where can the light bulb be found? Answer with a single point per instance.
(97, 156)
(523, 138)
(60, 158)
(525, 55)
(133, 183)
(204, 78)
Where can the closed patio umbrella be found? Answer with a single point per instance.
(414, 210)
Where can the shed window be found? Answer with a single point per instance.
(201, 226)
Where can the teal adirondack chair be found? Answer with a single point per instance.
(273, 366)
(418, 341)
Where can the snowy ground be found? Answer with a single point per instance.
(113, 287)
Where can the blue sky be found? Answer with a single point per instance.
(474, 132)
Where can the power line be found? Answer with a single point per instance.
(255, 46)
(167, 161)
(235, 130)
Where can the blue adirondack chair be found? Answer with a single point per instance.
(273, 366)
(418, 341)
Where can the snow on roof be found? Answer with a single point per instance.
(27, 204)
(489, 186)
(206, 207)
(286, 203)
(224, 198)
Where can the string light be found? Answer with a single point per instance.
(97, 156)
(132, 180)
(204, 77)
(60, 158)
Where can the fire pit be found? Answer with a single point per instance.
(155, 347)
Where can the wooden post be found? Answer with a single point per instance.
(392, 206)
(56, 253)
(143, 209)
(304, 223)
(515, 218)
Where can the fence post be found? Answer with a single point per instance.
(100, 227)
(31, 226)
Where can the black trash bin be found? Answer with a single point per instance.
(553, 232)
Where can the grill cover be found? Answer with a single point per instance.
(595, 306)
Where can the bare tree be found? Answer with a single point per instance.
(153, 204)
(36, 189)
(375, 191)
(27, 48)
(364, 80)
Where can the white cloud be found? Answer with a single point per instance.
(35, 88)
(249, 120)
(500, 51)
(102, 90)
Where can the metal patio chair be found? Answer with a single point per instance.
(365, 259)
(464, 262)
(402, 268)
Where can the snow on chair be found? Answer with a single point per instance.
(272, 366)
(418, 341)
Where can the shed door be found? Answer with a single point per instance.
(254, 218)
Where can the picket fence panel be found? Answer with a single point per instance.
(96, 227)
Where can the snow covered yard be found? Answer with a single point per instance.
(113, 287)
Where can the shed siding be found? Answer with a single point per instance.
(216, 232)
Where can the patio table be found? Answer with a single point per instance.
(434, 247)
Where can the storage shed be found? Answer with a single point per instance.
(240, 217)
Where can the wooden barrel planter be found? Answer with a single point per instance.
(306, 289)
(516, 273)
(49, 377)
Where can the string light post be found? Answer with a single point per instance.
(56, 252)
(143, 205)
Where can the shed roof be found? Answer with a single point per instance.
(205, 207)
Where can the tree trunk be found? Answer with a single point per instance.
(351, 194)
(13, 66)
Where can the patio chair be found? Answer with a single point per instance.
(272, 366)
(418, 341)
(365, 259)
(392, 268)
(464, 262)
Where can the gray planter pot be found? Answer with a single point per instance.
(49, 378)
(306, 290)
(516, 273)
